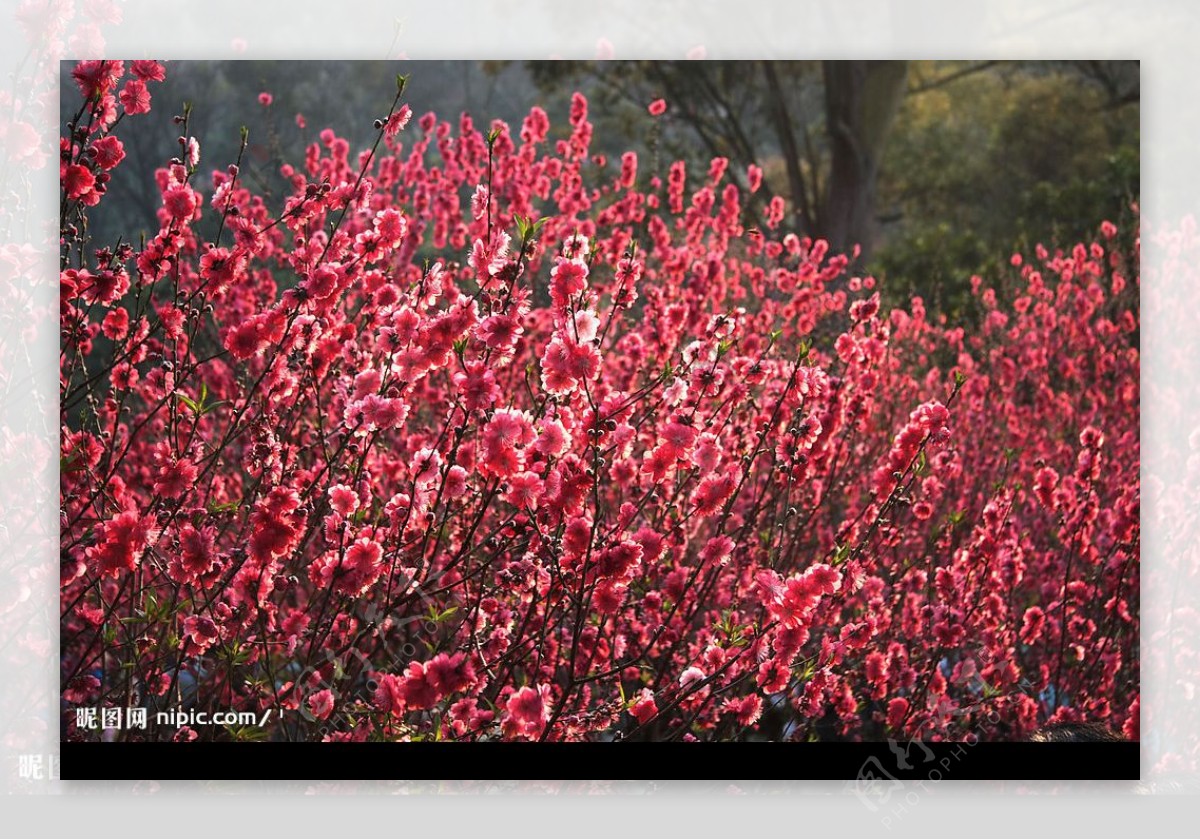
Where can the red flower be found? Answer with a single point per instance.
(78, 181)
(524, 491)
(149, 71)
(135, 97)
(109, 152)
(527, 712)
(644, 707)
(712, 493)
(1032, 625)
(503, 442)
(567, 279)
(120, 542)
(201, 633)
(180, 201)
(397, 121)
(321, 704)
(96, 78)
(896, 712)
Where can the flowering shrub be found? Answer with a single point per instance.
(474, 435)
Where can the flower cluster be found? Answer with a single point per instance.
(477, 435)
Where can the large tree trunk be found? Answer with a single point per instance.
(861, 100)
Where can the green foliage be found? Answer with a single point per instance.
(976, 167)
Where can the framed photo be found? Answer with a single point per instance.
(555, 413)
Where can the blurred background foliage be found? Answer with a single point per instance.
(937, 169)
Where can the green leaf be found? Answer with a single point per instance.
(841, 555)
(246, 733)
(919, 468)
(437, 616)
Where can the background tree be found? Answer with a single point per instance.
(935, 168)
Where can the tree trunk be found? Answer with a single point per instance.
(861, 100)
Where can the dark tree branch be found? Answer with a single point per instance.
(949, 78)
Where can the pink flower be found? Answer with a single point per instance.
(397, 121)
(477, 385)
(361, 567)
(135, 97)
(120, 542)
(566, 364)
(418, 689)
(711, 493)
(383, 412)
(479, 202)
(499, 332)
(265, 99)
(504, 439)
(343, 499)
(201, 632)
(644, 708)
(527, 710)
(691, 676)
(456, 482)
(176, 478)
(800, 594)
(96, 78)
(754, 177)
(197, 556)
(149, 71)
(553, 439)
(391, 226)
(116, 324)
(676, 392)
(109, 152)
(449, 673)
(567, 279)
(657, 107)
(78, 182)
(1044, 483)
(321, 704)
(180, 202)
(629, 166)
(746, 710)
(524, 491)
(1032, 625)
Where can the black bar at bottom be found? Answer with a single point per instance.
(869, 763)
